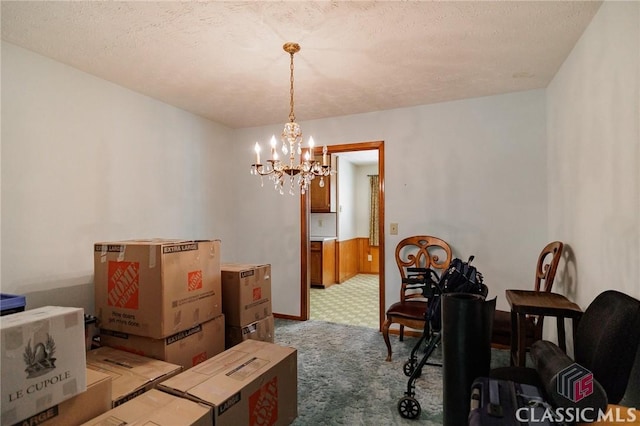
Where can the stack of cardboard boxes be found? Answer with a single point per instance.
(254, 383)
(246, 302)
(160, 298)
(160, 307)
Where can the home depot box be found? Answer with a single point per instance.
(158, 409)
(80, 408)
(246, 293)
(131, 374)
(185, 348)
(259, 330)
(156, 288)
(43, 357)
(253, 383)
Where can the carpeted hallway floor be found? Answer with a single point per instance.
(354, 302)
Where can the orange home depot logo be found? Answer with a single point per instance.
(198, 358)
(575, 382)
(194, 279)
(263, 404)
(123, 284)
(257, 293)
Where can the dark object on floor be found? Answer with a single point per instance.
(464, 297)
(497, 402)
(424, 252)
(605, 347)
(466, 350)
(545, 275)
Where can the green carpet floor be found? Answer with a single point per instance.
(343, 378)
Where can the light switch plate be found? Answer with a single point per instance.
(393, 229)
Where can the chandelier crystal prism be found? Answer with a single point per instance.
(298, 172)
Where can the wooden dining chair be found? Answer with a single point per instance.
(421, 251)
(545, 274)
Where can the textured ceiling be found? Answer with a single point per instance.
(224, 60)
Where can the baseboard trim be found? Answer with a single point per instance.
(288, 317)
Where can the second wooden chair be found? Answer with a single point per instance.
(545, 274)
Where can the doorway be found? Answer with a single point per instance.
(305, 286)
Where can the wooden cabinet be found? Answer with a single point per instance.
(321, 196)
(316, 263)
(323, 263)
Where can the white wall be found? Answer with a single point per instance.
(593, 115)
(346, 200)
(472, 172)
(323, 224)
(84, 160)
(363, 198)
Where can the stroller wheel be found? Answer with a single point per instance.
(409, 367)
(409, 407)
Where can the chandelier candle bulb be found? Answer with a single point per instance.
(324, 155)
(257, 149)
(274, 154)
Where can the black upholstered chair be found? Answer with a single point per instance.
(605, 343)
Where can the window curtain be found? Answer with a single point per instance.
(374, 236)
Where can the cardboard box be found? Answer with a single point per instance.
(260, 330)
(43, 359)
(131, 374)
(158, 409)
(185, 348)
(80, 408)
(156, 288)
(253, 383)
(246, 293)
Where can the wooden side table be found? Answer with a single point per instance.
(529, 302)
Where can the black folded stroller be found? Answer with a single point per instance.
(460, 277)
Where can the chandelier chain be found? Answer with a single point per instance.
(292, 116)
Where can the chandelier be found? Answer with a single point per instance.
(298, 173)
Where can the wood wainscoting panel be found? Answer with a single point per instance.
(347, 254)
(366, 266)
(328, 263)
